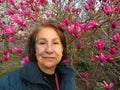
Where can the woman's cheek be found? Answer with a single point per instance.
(59, 52)
(39, 51)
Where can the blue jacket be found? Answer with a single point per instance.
(28, 78)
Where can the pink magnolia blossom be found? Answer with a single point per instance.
(26, 13)
(92, 8)
(17, 50)
(93, 24)
(99, 44)
(25, 60)
(33, 17)
(66, 61)
(78, 28)
(36, 8)
(54, 1)
(30, 1)
(104, 0)
(9, 29)
(78, 35)
(107, 86)
(87, 7)
(78, 10)
(21, 27)
(117, 8)
(75, 10)
(68, 8)
(84, 74)
(22, 7)
(42, 2)
(101, 57)
(90, 2)
(10, 50)
(31, 8)
(20, 12)
(1, 1)
(48, 14)
(78, 46)
(1, 26)
(22, 54)
(114, 24)
(17, 19)
(25, 2)
(113, 50)
(11, 39)
(66, 22)
(71, 29)
(5, 52)
(12, 2)
(90, 25)
(5, 57)
(9, 12)
(109, 59)
(61, 24)
(0, 22)
(77, 24)
(107, 9)
(92, 59)
(85, 27)
(116, 38)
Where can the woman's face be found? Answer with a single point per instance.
(48, 48)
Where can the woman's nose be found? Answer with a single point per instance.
(49, 49)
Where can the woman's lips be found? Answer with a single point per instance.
(49, 58)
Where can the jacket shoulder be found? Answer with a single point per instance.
(9, 80)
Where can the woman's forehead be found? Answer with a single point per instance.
(47, 33)
(46, 39)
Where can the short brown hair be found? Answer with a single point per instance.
(32, 39)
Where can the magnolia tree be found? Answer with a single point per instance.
(92, 28)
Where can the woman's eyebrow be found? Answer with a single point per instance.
(56, 39)
(41, 39)
(46, 39)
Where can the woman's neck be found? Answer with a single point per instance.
(46, 70)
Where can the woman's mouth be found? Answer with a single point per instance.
(49, 58)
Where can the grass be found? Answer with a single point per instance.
(12, 64)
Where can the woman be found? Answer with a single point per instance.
(46, 71)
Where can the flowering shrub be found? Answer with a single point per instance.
(107, 86)
(92, 31)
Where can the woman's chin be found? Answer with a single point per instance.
(50, 65)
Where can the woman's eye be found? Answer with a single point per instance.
(41, 43)
(56, 43)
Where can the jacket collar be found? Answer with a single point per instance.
(31, 72)
(65, 71)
